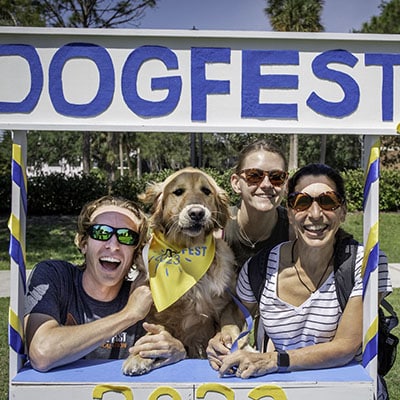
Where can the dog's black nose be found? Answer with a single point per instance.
(196, 213)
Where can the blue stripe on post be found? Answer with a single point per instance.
(372, 265)
(372, 176)
(16, 254)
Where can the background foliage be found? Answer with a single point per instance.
(59, 194)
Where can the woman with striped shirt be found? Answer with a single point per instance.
(299, 308)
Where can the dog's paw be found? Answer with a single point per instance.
(136, 365)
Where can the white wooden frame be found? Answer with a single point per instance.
(198, 81)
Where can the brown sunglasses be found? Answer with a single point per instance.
(254, 176)
(328, 201)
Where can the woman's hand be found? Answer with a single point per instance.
(218, 346)
(246, 364)
(160, 345)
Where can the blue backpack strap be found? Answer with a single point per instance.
(344, 265)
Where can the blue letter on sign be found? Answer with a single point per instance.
(350, 88)
(146, 108)
(253, 81)
(105, 93)
(30, 55)
(387, 61)
(202, 86)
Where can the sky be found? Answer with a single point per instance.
(338, 15)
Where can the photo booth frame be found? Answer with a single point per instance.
(196, 81)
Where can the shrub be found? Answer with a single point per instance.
(389, 194)
(354, 186)
(5, 193)
(60, 194)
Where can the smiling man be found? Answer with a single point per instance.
(93, 310)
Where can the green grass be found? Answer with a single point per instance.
(47, 237)
(389, 232)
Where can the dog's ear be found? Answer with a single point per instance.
(152, 194)
(223, 203)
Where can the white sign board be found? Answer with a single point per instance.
(206, 81)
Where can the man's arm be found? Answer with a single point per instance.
(51, 344)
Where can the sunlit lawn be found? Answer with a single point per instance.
(46, 237)
(389, 232)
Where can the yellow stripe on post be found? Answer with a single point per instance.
(15, 323)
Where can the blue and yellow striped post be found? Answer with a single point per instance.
(17, 227)
(371, 257)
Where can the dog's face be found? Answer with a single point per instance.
(189, 203)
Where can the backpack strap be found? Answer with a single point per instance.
(257, 272)
(392, 320)
(344, 265)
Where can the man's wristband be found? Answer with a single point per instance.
(283, 361)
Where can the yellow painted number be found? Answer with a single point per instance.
(271, 391)
(99, 391)
(215, 387)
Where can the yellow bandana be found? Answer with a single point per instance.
(173, 271)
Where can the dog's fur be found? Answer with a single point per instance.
(187, 207)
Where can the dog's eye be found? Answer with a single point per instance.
(178, 192)
(206, 191)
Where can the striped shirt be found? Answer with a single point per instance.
(314, 321)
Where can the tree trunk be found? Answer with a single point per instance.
(322, 155)
(121, 152)
(86, 152)
(293, 152)
(138, 163)
(193, 152)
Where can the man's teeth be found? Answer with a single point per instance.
(109, 259)
(315, 227)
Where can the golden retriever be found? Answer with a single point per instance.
(186, 208)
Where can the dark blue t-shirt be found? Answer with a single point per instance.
(55, 289)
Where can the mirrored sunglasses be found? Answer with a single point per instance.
(328, 201)
(104, 232)
(254, 176)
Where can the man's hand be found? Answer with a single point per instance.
(159, 345)
(139, 302)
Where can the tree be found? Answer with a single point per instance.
(93, 13)
(5, 152)
(342, 151)
(387, 22)
(295, 16)
(52, 147)
(19, 13)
